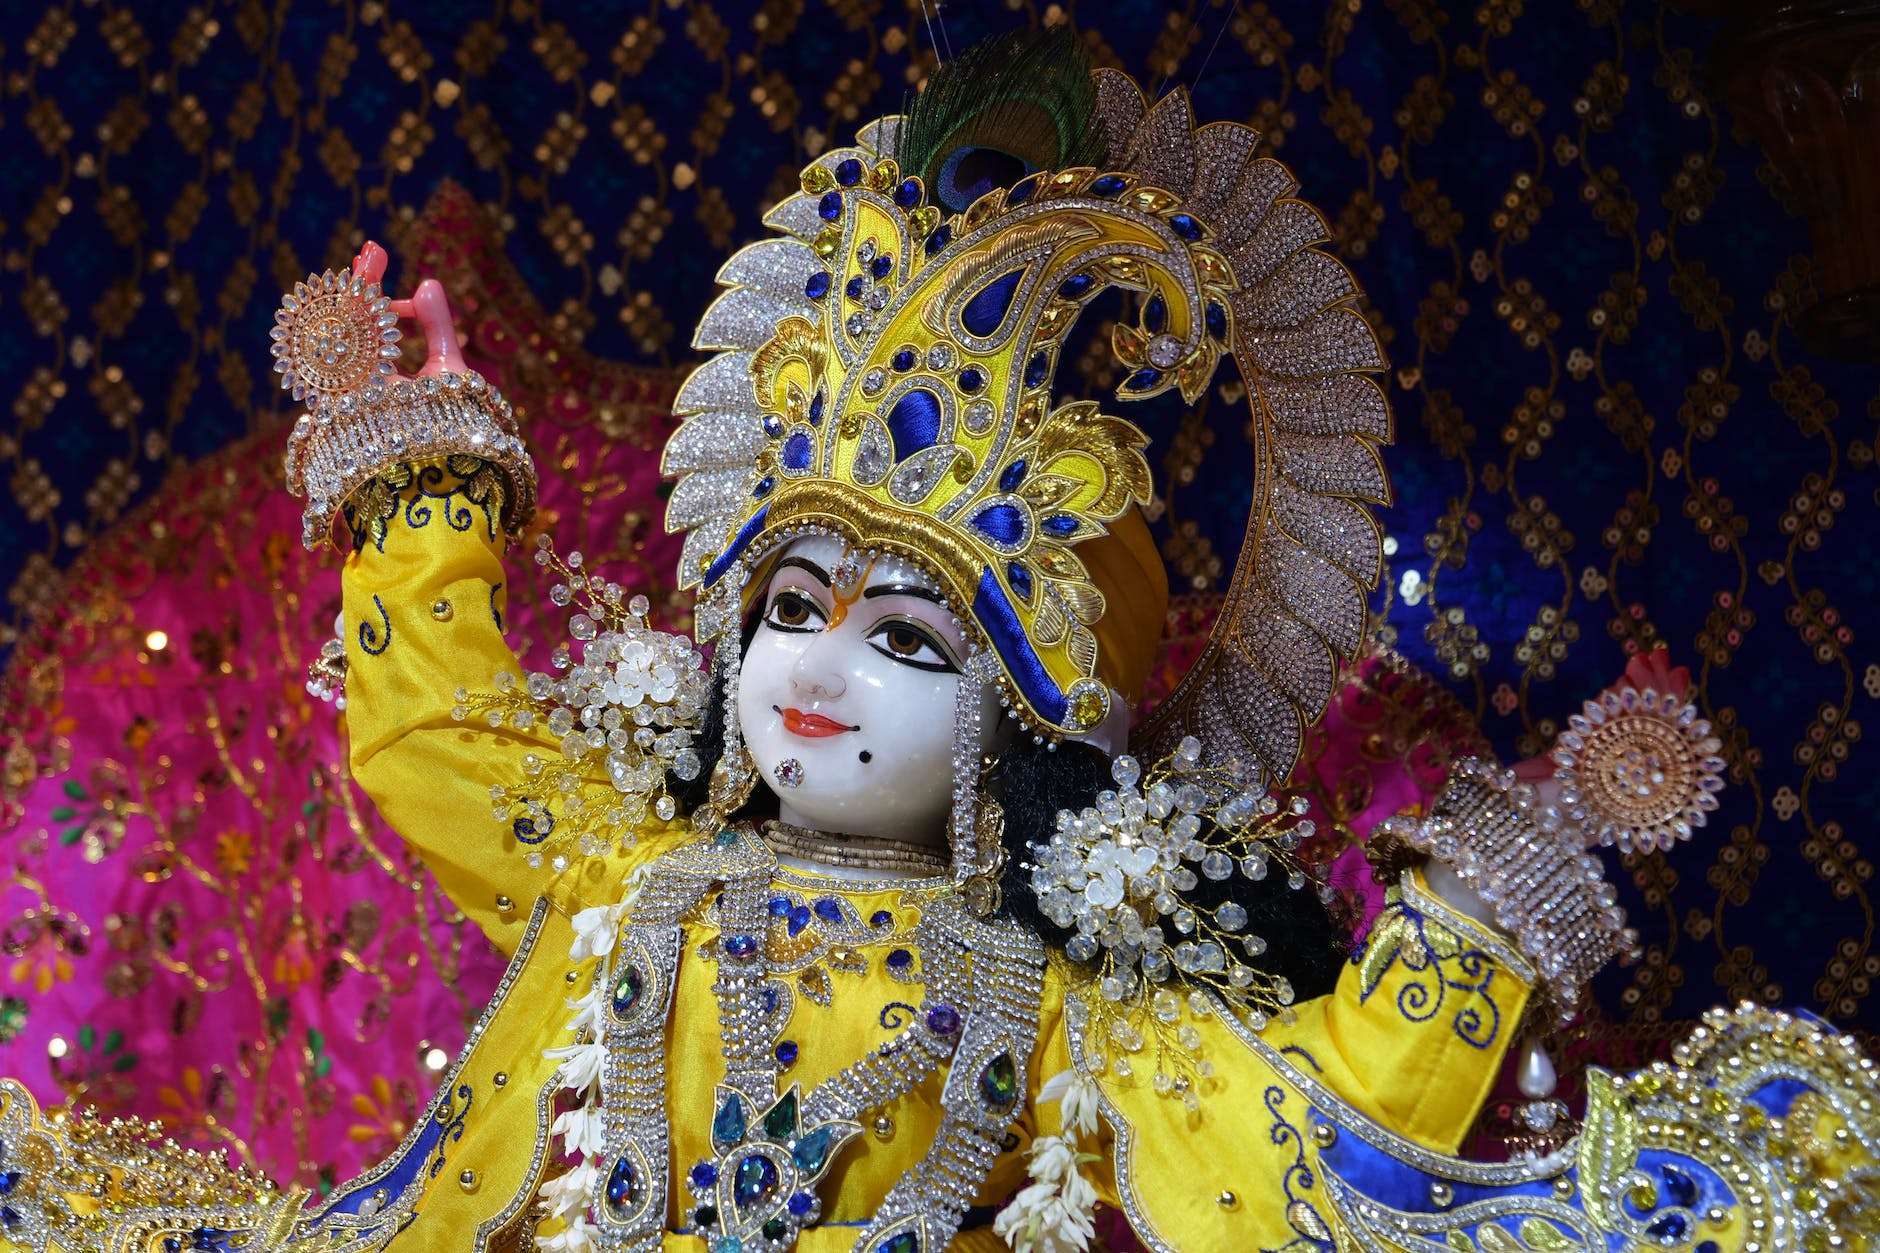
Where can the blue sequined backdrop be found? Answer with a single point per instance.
(1607, 429)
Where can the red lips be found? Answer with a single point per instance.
(811, 726)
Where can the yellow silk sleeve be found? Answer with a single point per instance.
(423, 599)
(1415, 1032)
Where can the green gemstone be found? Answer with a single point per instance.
(998, 1082)
(780, 1122)
(776, 1229)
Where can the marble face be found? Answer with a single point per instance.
(852, 675)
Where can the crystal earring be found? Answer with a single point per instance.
(788, 772)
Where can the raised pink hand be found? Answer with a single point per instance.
(428, 306)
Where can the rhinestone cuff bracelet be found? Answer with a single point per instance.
(337, 450)
(1529, 862)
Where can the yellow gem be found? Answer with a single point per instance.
(923, 221)
(887, 174)
(817, 179)
(1087, 708)
(828, 243)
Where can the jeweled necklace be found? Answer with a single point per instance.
(865, 852)
(770, 1148)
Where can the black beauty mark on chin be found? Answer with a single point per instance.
(867, 757)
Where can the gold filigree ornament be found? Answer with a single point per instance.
(1639, 769)
(335, 338)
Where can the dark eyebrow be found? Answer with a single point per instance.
(804, 563)
(904, 589)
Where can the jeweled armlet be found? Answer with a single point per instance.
(1529, 862)
(332, 351)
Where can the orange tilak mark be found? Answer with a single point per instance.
(841, 609)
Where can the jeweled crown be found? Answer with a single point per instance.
(885, 372)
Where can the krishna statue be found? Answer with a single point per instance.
(883, 912)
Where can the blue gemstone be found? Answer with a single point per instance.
(900, 959)
(798, 918)
(1682, 1187)
(829, 909)
(831, 206)
(880, 918)
(1023, 190)
(1670, 1228)
(1061, 524)
(941, 237)
(801, 1203)
(7, 1181)
(778, 906)
(1076, 285)
(1013, 475)
(1185, 225)
(704, 1175)
(773, 425)
(728, 1123)
(1707, 1246)
(770, 1000)
(741, 947)
(1106, 185)
(1155, 313)
(727, 1244)
(817, 285)
(816, 409)
(983, 314)
(763, 488)
(848, 172)
(943, 1019)
(623, 1185)
(1217, 321)
(907, 193)
(1143, 379)
(1037, 370)
(903, 360)
(627, 989)
(786, 1053)
(1020, 579)
(854, 287)
(1004, 523)
(796, 452)
(972, 378)
(998, 1082)
(905, 1242)
(882, 265)
(755, 1180)
(812, 1151)
(725, 838)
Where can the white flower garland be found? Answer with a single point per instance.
(581, 1128)
(1056, 1212)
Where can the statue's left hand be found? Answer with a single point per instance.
(1648, 671)
(428, 306)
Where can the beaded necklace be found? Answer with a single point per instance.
(771, 1147)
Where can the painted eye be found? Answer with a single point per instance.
(910, 645)
(793, 611)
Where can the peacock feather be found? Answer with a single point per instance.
(1004, 108)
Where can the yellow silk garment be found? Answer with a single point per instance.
(1411, 1039)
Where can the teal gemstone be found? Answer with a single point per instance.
(727, 1244)
(998, 1082)
(780, 1122)
(627, 989)
(905, 1242)
(756, 1181)
(812, 1151)
(725, 838)
(728, 1125)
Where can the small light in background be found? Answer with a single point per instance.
(56, 1047)
(1411, 587)
(436, 1059)
(1390, 545)
(157, 641)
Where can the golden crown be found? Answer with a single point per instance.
(885, 373)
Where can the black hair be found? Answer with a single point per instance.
(1031, 783)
